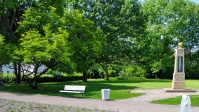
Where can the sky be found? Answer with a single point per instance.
(196, 1)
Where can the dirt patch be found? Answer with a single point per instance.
(19, 106)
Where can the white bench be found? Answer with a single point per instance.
(79, 89)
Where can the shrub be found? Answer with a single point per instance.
(58, 78)
(131, 72)
(192, 72)
(8, 78)
(96, 71)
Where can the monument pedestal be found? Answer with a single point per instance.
(180, 90)
(178, 83)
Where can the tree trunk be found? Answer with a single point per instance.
(107, 74)
(17, 70)
(18, 78)
(105, 67)
(1, 76)
(84, 79)
(33, 83)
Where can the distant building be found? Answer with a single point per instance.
(6, 69)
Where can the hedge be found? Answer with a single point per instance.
(9, 78)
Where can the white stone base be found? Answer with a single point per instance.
(178, 85)
(178, 81)
(180, 90)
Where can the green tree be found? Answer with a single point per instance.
(168, 22)
(85, 41)
(10, 12)
(121, 22)
(44, 42)
(158, 51)
(1, 57)
(183, 25)
(1, 48)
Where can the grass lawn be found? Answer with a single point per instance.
(176, 100)
(192, 84)
(119, 89)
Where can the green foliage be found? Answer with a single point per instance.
(8, 78)
(96, 67)
(84, 38)
(96, 71)
(158, 41)
(9, 17)
(53, 72)
(33, 46)
(46, 4)
(4, 52)
(192, 71)
(58, 78)
(1, 39)
(167, 24)
(132, 72)
(44, 42)
(10, 4)
(107, 32)
(121, 23)
(1, 48)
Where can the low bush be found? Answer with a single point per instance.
(132, 72)
(8, 78)
(192, 72)
(58, 78)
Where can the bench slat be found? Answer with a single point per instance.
(73, 89)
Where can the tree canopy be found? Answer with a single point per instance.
(121, 22)
(86, 41)
(169, 22)
(74, 35)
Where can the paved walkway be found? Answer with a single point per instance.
(138, 104)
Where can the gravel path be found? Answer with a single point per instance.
(64, 104)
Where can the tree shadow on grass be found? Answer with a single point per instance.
(93, 87)
(90, 86)
(137, 81)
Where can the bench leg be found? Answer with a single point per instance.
(82, 95)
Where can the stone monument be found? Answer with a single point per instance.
(179, 75)
(178, 83)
